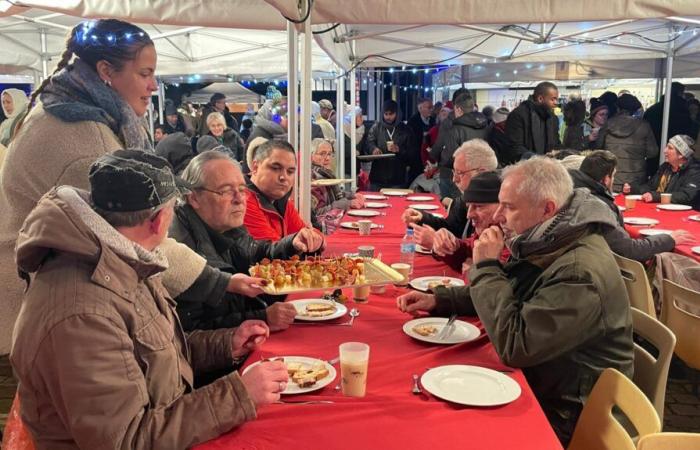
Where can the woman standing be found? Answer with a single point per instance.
(14, 102)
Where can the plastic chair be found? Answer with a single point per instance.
(684, 325)
(637, 285)
(651, 374)
(598, 429)
(447, 203)
(670, 441)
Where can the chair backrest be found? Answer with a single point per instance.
(684, 325)
(447, 203)
(650, 373)
(670, 441)
(598, 429)
(637, 284)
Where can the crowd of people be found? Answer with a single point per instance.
(133, 308)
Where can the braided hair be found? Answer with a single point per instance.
(110, 40)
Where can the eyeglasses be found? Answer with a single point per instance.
(229, 192)
(461, 173)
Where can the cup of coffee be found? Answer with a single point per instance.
(666, 199)
(404, 269)
(360, 294)
(365, 251)
(354, 362)
(378, 289)
(390, 145)
(630, 202)
(364, 226)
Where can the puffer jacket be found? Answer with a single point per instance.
(98, 349)
(632, 141)
(453, 133)
(558, 309)
(684, 185)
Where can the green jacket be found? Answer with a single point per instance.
(558, 309)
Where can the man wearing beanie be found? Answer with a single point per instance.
(679, 175)
(596, 119)
(631, 140)
(174, 121)
(101, 358)
(482, 197)
(390, 136)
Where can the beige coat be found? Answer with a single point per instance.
(101, 357)
(48, 152)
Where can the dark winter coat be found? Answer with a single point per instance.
(532, 128)
(453, 133)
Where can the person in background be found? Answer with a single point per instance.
(158, 133)
(597, 118)
(98, 349)
(420, 124)
(532, 127)
(14, 105)
(497, 136)
(678, 176)
(246, 126)
(325, 198)
(631, 140)
(217, 103)
(361, 134)
(226, 137)
(174, 121)
(558, 308)
(431, 139)
(270, 121)
(328, 128)
(488, 111)
(575, 128)
(326, 109)
(176, 148)
(694, 113)
(390, 172)
(609, 99)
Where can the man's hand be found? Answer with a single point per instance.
(265, 381)
(682, 237)
(280, 315)
(248, 336)
(445, 243)
(647, 197)
(489, 245)
(377, 151)
(357, 203)
(308, 240)
(360, 198)
(243, 284)
(626, 188)
(414, 302)
(411, 216)
(466, 265)
(393, 148)
(424, 235)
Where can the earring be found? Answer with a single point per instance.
(108, 83)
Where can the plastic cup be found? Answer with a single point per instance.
(630, 202)
(666, 199)
(360, 294)
(354, 362)
(389, 145)
(378, 289)
(365, 251)
(405, 270)
(364, 226)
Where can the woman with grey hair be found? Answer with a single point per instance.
(226, 137)
(325, 198)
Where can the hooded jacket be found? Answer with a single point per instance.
(390, 171)
(558, 309)
(453, 133)
(632, 141)
(20, 102)
(618, 239)
(532, 128)
(683, 185)
(102, 360)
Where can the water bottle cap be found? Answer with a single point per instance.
(409, 230)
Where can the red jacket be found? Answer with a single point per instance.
(263, 220)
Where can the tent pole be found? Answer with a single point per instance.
(339, 134)
(161, 101)
(44, 57)
(667, 98)
(292, 95)
(305, 121)
(353, 140)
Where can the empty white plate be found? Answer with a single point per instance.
(423, 207)
(470, 385)
(673, 207)
(653, 231)
(373, 197)
(419, 198)
(391, 193)
(376, 205)
(363, 212)
(695, 218)
(640, 221)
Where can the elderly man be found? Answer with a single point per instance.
(98, 350)
(210, 223)
(471, 158)
(596, 174)
(271, 214)
(559, 308)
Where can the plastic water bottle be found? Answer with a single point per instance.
(408, 249)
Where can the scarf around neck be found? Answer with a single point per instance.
(77, 94)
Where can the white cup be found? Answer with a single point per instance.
(405, 270)
(354, 362)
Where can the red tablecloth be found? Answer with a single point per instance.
(669, 220)
(389, 416)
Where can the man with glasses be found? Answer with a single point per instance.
(473, 157)
(211, 224)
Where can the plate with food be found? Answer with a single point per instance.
(318, 309)
(363, 212)
(673, 207)
(394, 192)
(427, 329)
(641, 221)
(330, 181)
(420, 198)
(355, 226)
(429, 283)
(471, 385)
(305, 374)
(423, 250)
(654, 231)
(424, 207)
(376, 205)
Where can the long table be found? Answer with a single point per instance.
(389, 416)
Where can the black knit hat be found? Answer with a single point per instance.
(629, 103)
(216, 97)
(390, 106)
(177, 149)
(596, 105)
(483, 188)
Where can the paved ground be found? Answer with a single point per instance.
(682, 407)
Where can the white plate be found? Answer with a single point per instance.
(419, 198)
(621, 208)
(373, 197)
(462, 331)
(654, 231)
(695, 218)
(354, 226)
(470, 385)
(640, 221)
(634, 197)
(363, 212)
(424, 207)
(376, 205)
(391, 193)
(421, 283)
(330, 181)
(696, 250)
(442, 216)
(300, 306)
(673, 207)
(423, 250)
(292, 387)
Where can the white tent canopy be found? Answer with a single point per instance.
(234, 92)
